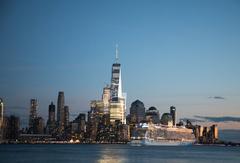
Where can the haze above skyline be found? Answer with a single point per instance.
(181, 53)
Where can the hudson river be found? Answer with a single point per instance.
(77, 153)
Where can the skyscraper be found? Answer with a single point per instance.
(82, 118)
(173, 113)
(12, 127)
(51, 118)
(1, 119)
(137, 111)
(60, 109)
(38, 125)
(97, 106)
(33, 113)
(51, 113)
(106, 98)
(117, 99)
(66, 116)
(79, 124)
(116, 82)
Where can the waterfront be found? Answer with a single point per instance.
(61, 153)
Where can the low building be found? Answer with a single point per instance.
(167, 119)
(152, 115)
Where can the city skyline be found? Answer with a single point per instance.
(183, 54)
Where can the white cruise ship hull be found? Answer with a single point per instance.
(166, 143)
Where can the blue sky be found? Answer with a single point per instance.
(172, 53)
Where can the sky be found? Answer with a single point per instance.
(183, 53)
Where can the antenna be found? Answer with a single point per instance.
(116, 52)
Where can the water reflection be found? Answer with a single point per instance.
(116, 155)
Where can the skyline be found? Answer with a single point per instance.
(183, 54)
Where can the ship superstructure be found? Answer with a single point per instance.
(162, 135)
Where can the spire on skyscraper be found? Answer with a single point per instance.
(116, 53)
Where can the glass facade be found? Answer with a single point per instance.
(117, 106)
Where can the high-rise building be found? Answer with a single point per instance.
(137, 112)
(97, 106)
(1, 119)
(38, 125)
(12, 126)
(117, 98)
(173, 113)
(79, 124)
(92, 124)
(95, 115)
(51, 123)
(118, 111)
(82, 126)
(116, 83)
(33, 113)
(106, 98)
(66, 116)
(51, 113)
(60, 109)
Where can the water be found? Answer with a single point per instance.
(77, 153)
(230, 135)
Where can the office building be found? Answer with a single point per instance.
(60, 110)
(38, 125)
(82, 126)
(167, 119)
(51, 123)
(152, 115)
(117, 106)
(137, 112)
(92, 125)
(79, 124)
(66, 116)
(33, 113)
(106, 99)
(173, 114)
(118, 111)
(11, 129)
(97, 106)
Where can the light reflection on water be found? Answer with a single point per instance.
(108, 156)
(116, 153)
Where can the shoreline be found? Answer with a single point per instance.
(224, 144)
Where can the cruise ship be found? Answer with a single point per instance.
(161, 135)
